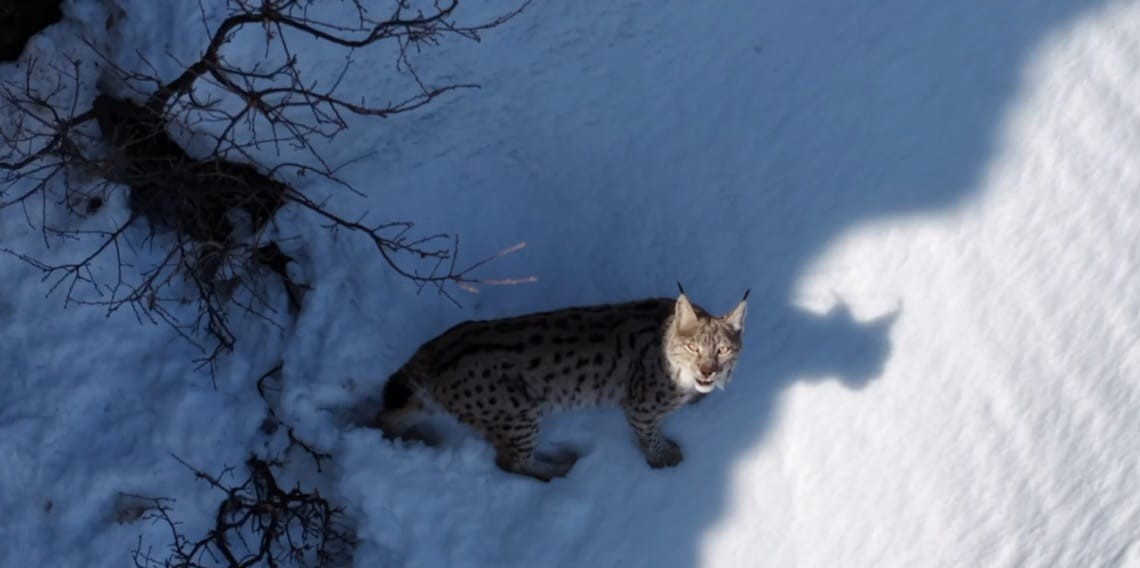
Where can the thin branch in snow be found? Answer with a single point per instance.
(212, 213)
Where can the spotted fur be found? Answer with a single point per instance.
(502, 376)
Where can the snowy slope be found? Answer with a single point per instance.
(1004, 430)
(937, 209)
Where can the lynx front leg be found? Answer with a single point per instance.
(659, 451)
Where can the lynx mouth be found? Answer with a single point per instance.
(704, 386)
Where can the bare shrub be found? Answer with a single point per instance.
(209, 212)
(257, 523)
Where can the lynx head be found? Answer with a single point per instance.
(702, 349)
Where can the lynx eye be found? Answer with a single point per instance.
(692, 347)
(724, 350)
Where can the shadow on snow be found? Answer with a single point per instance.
(727, 147)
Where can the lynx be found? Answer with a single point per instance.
(502, 376)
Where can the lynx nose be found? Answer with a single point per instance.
(707, 370)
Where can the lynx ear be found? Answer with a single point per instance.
(684, 316)
(735, 318)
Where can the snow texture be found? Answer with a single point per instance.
(936, 206)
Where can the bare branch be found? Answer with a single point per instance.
(213, 212)
(257, 523)
(391, 246)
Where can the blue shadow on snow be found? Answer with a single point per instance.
(729, 145)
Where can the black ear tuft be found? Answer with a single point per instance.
(746, 293)
(680, 287)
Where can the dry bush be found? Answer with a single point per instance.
(208, 213)
(256, 523)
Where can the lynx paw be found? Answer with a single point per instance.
(542, 466)
(668, 455)
(560, 455)
(555, 469)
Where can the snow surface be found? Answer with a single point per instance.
(936, 207)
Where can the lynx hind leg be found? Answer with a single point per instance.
(404, 412)
(515, 452)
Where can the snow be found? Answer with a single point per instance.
(936, 208)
